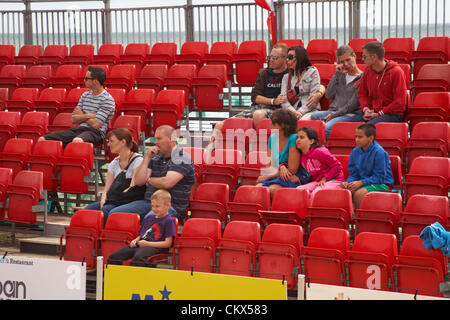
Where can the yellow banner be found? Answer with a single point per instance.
(133, 283)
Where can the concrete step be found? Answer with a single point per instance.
(41, 245)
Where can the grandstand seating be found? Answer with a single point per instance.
(108, 53)
(4, 93)
(247, 202)
(331, 208)
(422, 210)
(23, 100)
(50, 100)
(82, 237)
(263, 132)
(428, 107)
(66, 76)
(434, 50)
(342, 137)
(180, 77)
(81, 54)
(54, 55)
(292, 42)
(195, 250)
(255, 161)
(222, 53)
(11, 77)
(44, 158)
(428, 139)
(198, 158)
(279, 253)
(168, 108)
(249, 59)
(236, 134)
(399, 49)
(152, 77)
(162, 53)
(135, 54)
(62, 121)
(130, 122)
(119, 95)
(372, 253)
(431, 78)
(120, 228)
(237, 248)
(81, 83)
(8, 126)
(193, 52)
(427, 175)
(356, 44)
(33, 125)
(28, 55)
(289, 205)
(121, 76)
(397, 173)
(5, 181)
(326, 72)
(208, 87)
(74, 165)
(7, 53)
(15, 154)
(139, 102)
(37, 76)
(393, 137)
(418, 270)
(317, 125)
(24, 194)
(343, 159)
(210, 201)
(322, 50)
(323, 257)
(72, 98)
(379, 212)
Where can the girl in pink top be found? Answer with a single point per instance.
(325, 170)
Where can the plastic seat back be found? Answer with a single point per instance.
(393, 137)
(152, 77)
(15, 154)
(317, 125)
(8, 126)
(210, 201)
(193, 52)
(435, 50)
(66, 76)
(33, 125)
(80, 54)
(208, 87)
(5, 180)
(250, 58)
(168, 108)
(37, 76)
(121, 76)
(23, 100)
(7, 53)
(44, 158)
(222, 53)
(399, 49)
(108, 53)
(50, 100)
(247, 202)
(357, 43)
(289, 205)
(342, 137)
(322, 50)
(72, 98)
(11, 77)
(28, 54)
(62, 121)
(162, 53)
(292, 42)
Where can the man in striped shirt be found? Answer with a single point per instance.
(93, 112)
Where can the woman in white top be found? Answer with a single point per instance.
(301, 86)
(120, 141)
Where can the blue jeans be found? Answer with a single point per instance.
(142, 208)
(106, 209)
(321, 115)
(382, 118)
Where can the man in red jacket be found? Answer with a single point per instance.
(382, 92)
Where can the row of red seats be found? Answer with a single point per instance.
(276, 253)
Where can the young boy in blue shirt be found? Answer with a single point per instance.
(369, 166)
(155, 235)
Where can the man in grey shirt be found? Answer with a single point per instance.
(93, 112)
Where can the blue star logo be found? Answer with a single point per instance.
(165, 294)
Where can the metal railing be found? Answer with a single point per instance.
(305, 19)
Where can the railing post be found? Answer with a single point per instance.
(189, 19)
(355, 12)
(106, 32)
(279, 6)
(27, 24)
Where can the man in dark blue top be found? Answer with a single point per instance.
(165, 166)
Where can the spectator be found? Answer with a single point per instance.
(93, 112)
(325, 170)
(120, 172)
(155, 235)
(281, 149)
(382, 92)
(369, 165)
(301, 86)
(343, 90)
(165, 166)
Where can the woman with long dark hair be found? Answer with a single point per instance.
(301, 86)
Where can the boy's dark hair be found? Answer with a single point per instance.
(369, 130)
(311, 133)
(286, 119)
(98, 74)
(375, 47)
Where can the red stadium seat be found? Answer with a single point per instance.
(195, 250)
(343, 159)
(130, 122)
(255, 162)
(54, 55)
(247, 202)
(23, 100)
(108, 53)
(121, 76)
(370, 261)
(81, 83)
(393, 137)
(162, 53)
(208, 87)
(5, 181)
(237, 248)
(4, 94)
(180, 77)
(139, 103)
(222, 53)
(11, 77)
(324, 256)
(81, 54)
(28, 54)
(24, 195)
(135, 54)
(399, 49)
(66, 76)
(326, 72)
(37, 76)
(317, 125)
(15, 154)
(193, 52)
(33, 125)
(50, 100)
(292, 42)
(237, 134)
(428, 107)
(168, 109)
(82, 237)
(279, 253)
(342, 137)
(44, 158)
(250, 58)
(322, 50)
(434, 50)
(431, 78)
(72, 98)
(8, 126)
(62, 121)
(210, 201)
(7, 53)
(152, 77)
(356, 44)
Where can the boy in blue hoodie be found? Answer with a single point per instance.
(369, 166)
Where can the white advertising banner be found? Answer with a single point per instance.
(316, 291)
(23, 278)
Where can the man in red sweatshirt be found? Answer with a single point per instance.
(382, 92)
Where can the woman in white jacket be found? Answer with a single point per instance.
(301, 86)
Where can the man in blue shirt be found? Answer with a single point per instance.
(369, 166)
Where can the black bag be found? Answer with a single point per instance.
(115, 194)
